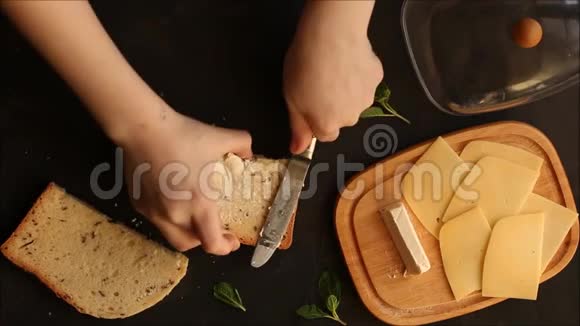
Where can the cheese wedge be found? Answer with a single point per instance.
(463, 242)
(512, 265)
(478, 149)
(428, 186)
(557, 222)
(499, 187)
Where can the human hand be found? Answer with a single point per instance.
(160, 144)
(163, 163)
(330, 72)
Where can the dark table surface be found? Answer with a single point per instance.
(220, 61)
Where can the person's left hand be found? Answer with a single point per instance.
(164, 167)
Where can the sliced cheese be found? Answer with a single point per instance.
(463, 242)
(499, 187)
(476, 150)
(428, 186)
(512, 265)
(557, 222)
(405, 238)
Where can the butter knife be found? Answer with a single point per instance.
(283, 206)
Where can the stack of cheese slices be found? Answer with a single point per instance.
(495, 234)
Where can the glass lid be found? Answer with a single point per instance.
(474, 56)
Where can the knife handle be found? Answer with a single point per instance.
(310, 150)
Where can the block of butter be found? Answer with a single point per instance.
(403, 233)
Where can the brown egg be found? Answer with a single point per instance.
(527, 33)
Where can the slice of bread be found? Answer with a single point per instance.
(247, 189)
(102, 268)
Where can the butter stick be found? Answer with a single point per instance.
(405, 238)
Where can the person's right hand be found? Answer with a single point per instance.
(330, 71)
(169, 194)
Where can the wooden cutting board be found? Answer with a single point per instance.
(370, 254)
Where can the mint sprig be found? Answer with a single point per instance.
(330, 291)
(381, 106)
(229, 295)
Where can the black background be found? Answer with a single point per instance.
(220, 62)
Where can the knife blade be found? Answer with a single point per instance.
(283, 206)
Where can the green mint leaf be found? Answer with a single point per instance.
(373, 111)
(227, 294)
(311, 311)
(382, 92)
(328, 285)
(332, 304)
(381, 107)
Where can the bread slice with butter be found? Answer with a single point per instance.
(246, 190)
(102, 268)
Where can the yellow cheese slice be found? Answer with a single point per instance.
(427, 187)
(499, 187)
(463, 242)
(557, 222)
(513, 259)
(476, 150)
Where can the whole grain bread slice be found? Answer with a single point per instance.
(246, 191)
(102, 268)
